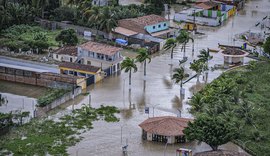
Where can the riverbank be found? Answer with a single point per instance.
(243, 98)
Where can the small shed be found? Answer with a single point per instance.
(167, 129)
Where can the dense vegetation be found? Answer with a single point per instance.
(26, 37)
(41, 137)
(50, 96)
(240, 97)
(266, 45)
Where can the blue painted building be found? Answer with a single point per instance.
(153, 25)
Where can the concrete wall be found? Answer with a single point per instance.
(157, 27)
(34, 78)
(41, 111)
(64, 58)
(199, 20)
(149, 136)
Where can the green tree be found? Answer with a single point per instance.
(170, 44)
(67, 37)
(197, 66)
(183, 38)
(266, 45)
(178, 76)
(205, 56)
(93, 16)
(214, 131)
(127, 65)
(107, 21)
(41, 4)
(143, 56)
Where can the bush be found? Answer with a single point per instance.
(50, 96)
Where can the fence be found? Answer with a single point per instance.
(79, 29)
(41, 111)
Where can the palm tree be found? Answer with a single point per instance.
(40, 4)
(197, 66)
(93, 16)
(205, 57)
(170, 44)
(143, 57)
(178, 76)
(128, 64)
(183, 38)
(107, 21)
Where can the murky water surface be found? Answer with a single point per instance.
(158, 91)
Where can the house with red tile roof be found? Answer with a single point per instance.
(66, 54)
(104, 56)
(167, 129)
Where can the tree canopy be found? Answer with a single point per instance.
(67, 37)
(266, 45)
(214, 131)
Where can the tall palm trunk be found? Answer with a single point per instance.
(181, 88)
(198, 76)
(184, 50)
(129, 80)
(144, 67)
(172, 53)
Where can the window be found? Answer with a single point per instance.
(56, 56)
(154, 27)
(89, 62)
(159, 26)
(70, 59)
(165, 24)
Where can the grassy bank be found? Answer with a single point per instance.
(241, 96)
(42, 137)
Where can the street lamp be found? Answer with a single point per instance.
(154, 109)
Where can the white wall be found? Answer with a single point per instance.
(149, 136)
(199, 20)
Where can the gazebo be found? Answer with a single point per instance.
(167, 129)
(234, 55)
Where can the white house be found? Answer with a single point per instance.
(104, 56)
(66, 54)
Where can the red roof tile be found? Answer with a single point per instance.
(100, 48)
(69, 50)
(206, 5)
(165, 125)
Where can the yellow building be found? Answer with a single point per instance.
(189, 26)
(90, 74)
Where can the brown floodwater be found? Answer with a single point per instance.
(158, 91)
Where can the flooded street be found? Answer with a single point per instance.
(20, 97)
(159, 93)
(156, 91)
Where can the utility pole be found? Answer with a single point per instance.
(194, 25)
